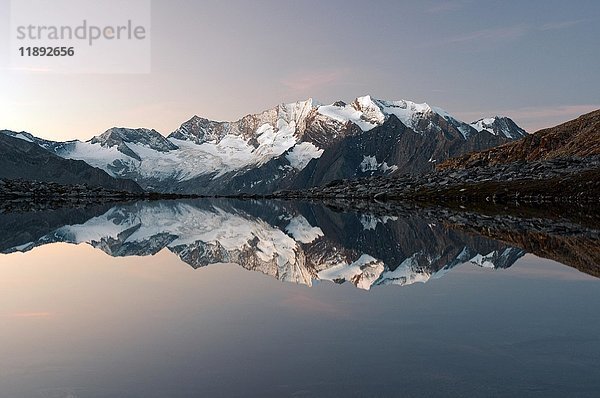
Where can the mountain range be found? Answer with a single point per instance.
(296, 145)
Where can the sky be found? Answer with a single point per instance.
(537, 62)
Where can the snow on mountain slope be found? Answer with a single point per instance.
(405, 273)
(96, 155)
(369, 163)
(347, 113)
(483, 124)
(499, 125)
(303, 153)
(368, 113)
(362, 272)
(367, 271)
(187, 224)
(191, 160)
(370, 221)
(194, 151)
(25, 136)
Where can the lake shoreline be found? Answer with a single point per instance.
(541, 184)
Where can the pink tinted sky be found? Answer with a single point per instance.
(536, 62)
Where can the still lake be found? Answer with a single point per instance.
(264, 298)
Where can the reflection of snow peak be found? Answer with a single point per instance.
(369, 221)
(295, 252)
(301, 230)
(188, 225)
(362, 273)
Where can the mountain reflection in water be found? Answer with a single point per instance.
(293, 242)
(76, 322)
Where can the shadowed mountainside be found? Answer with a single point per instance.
(576, 138)
(26, 160)
(560, 164)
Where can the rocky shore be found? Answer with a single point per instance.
(28, 195)
(556, 180)
(12, 189)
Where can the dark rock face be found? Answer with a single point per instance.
(21, 159)
(391, 148)
(561, 164)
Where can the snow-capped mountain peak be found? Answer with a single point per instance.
(200, 130)
(25, 136)
(368, 112)
(408, 112)
(151, 138)
(370, 109)
(499, 125)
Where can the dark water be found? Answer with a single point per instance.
(222, 298)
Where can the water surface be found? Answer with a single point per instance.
(226, 298)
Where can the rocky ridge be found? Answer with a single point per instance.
(40, 189)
